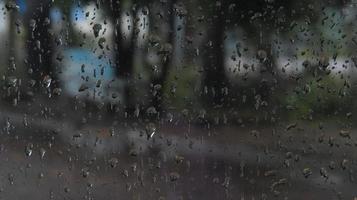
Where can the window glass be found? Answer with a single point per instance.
(178, 99)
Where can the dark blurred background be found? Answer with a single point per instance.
(178, 99)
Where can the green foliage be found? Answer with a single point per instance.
(324, 98)
(180, 91)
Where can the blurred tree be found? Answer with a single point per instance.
(259, 19)
(12, 13)
(12, 73)
(125, 47)
(215, 80)
(39, 44)
(166, 51)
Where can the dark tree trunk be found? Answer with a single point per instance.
(124, 53)
(215, 80)
(39, 44)
(157, 100)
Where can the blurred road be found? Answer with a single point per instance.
(50, 158)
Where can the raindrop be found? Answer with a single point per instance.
(150, 130)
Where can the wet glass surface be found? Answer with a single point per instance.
(178, 99)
